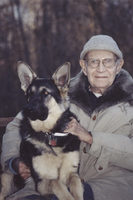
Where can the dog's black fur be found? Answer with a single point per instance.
(51, 157)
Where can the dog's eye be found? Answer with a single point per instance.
(46, 92)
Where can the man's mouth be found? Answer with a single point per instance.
(101, 77)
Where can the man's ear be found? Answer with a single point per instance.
(120, 65)
(83, 66)
(25, 74)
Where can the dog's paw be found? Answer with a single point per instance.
(2, 197)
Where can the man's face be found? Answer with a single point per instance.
(100, 67)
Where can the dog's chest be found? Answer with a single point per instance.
(54, 164)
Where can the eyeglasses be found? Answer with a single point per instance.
(108, 63)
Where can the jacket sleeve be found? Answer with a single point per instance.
(112, 149)
(11, 141)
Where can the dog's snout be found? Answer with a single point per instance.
(36, 99)
(35, 109)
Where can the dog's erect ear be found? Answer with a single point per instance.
(25, 74)
(61, 76)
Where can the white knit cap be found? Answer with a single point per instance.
(101, 42)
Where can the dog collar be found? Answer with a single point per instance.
(52, 138)
(60, 134)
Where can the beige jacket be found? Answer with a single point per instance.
(107, 165)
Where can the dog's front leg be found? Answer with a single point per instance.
(75, 186)
(6, 185)
(60, 190)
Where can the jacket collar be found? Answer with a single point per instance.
(120, 91)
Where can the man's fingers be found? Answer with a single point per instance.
(24, 171)
(25, 175)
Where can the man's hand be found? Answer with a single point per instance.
(23, 170)
(75, 128)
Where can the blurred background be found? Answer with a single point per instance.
(47, 33)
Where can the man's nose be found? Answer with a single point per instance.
(101, 67)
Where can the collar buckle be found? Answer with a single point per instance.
(52, 140)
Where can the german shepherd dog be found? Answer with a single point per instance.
(51, 155)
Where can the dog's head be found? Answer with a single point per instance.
(47, 98)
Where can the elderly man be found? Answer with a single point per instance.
(104, 92)
(102, 99)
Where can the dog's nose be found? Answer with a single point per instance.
(34, 107)
(36, 110)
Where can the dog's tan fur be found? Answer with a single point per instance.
(62, 170)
